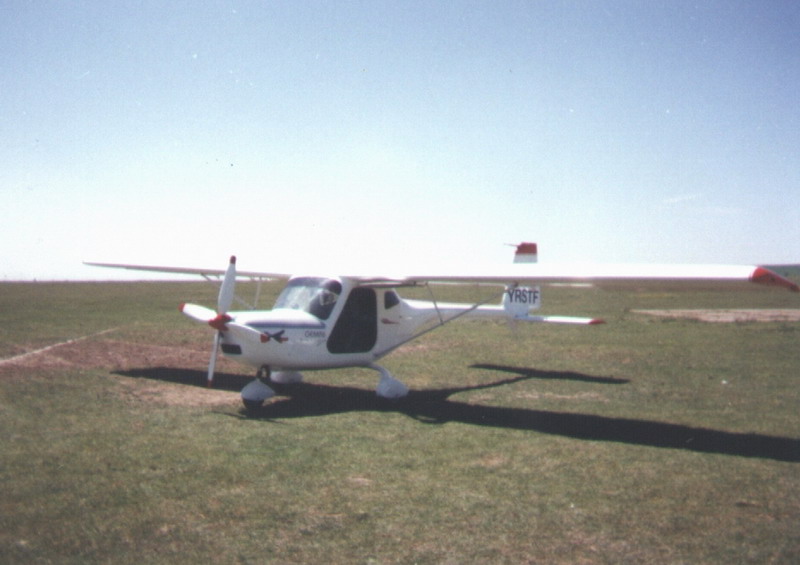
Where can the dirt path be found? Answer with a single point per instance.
(120, 356)
(22, 356)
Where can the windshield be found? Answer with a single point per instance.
(316, 296)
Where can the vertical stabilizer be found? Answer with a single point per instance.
(526, 253)
(519, 300)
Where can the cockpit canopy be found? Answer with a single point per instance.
(314, 295)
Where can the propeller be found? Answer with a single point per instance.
(227, 290)
(219, 319)
(224, 302)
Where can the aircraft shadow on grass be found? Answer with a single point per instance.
(434, 406)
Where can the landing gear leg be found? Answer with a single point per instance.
(388, 386)
(257, 391)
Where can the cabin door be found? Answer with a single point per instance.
(356, 330)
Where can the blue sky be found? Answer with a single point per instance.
(183, 132)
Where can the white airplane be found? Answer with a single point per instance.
(325, 322)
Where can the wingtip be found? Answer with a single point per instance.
(762, 275)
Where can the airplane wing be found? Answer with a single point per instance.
(619, 276)
(614, 276)
(191, 270)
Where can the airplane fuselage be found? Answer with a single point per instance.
(324, 322)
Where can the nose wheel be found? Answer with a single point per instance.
(257, 391)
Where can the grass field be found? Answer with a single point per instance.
(646, 440)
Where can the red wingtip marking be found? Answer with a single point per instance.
(597, 322)
(767, 277)
(182, 306)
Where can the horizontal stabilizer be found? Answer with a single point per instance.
(561, 320)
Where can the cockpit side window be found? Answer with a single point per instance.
(390, 299)
(317, 296)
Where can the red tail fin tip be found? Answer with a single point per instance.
(526, 253)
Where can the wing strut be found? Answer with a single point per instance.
(435, 305)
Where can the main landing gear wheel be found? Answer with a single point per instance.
(388, 386)
(257, 391)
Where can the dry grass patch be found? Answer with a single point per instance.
(738, 315)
